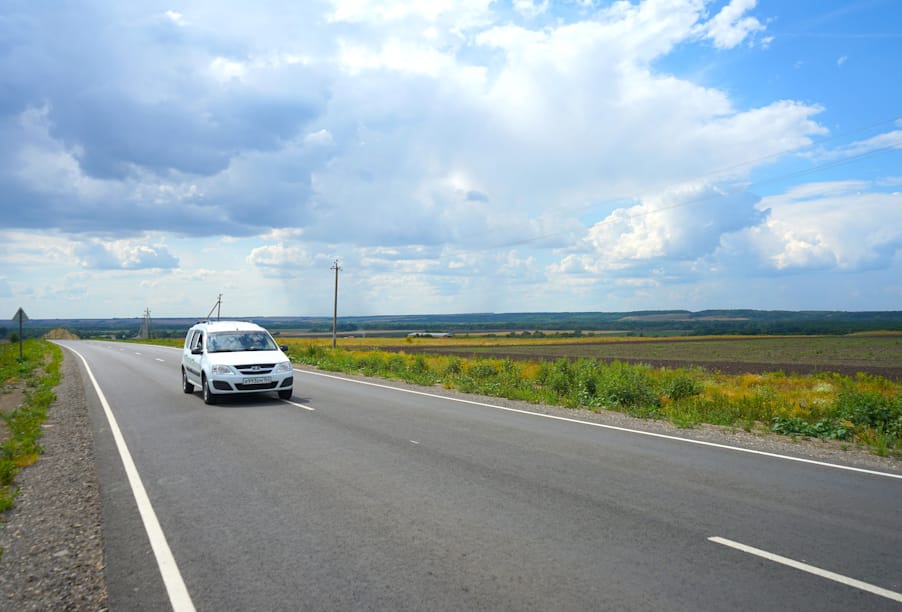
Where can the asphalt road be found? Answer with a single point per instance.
(361, 497)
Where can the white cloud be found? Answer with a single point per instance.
(463, 12)
(730, 27)
(125, 255)
(683, 224)
(279, 260)
(833, 226)
(176, 18)
(530, 9)
(886, 141)
(224, 69)
(397, 55)
(319, 138)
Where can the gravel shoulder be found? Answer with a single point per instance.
(52, 540)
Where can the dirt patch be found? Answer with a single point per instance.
(10, 399)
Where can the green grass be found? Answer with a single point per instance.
(38, 373)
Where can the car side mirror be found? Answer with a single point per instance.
(197, 351)
(283, 348)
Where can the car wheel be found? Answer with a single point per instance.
(209, 398)
(186, 386)
(285, 394)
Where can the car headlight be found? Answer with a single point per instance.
(221, 370)
(285, 366)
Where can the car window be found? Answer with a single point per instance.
(222, 342)
(198, 340)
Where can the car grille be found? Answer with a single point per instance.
(255, 369)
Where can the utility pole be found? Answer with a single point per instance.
(337, 269)
(217, 306)
(144, 334)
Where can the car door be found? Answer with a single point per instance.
(191, 359)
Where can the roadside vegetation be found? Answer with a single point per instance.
(863, 410)
(26, 392)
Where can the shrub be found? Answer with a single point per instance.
(827, 429)
(682, 386)
(483, 370)
(454, 367)
(870, 409)
(625, 386)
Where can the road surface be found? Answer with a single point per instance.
(359, 496)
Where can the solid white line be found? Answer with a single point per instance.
(172, 578)
(858, 584)
(616, 428)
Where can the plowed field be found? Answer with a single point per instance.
(879, 355)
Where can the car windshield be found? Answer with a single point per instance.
(224, 342)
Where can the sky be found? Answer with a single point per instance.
(452, 156)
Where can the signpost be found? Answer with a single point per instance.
(21, 317)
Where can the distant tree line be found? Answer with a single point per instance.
(637, 323)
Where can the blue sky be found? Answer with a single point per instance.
(454, 156)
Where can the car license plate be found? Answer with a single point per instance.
(257, 380)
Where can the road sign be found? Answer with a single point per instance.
(21, 317)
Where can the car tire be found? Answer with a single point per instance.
(285, 394)
(186, 386)
(209, 398)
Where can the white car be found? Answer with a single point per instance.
(232, 357)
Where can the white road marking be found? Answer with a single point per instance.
(137, 353)
(160, 360)
(172, 578)
(858, 584)
(414, 442)
(737, 449)
(310, 408)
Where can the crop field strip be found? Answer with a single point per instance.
(873, 354)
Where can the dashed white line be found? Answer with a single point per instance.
(310, 408)
(858, 584)
(160, 360)
(172, 578)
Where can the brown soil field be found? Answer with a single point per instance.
(879, 355)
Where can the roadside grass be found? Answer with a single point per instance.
(38, 373)
(862, 409)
